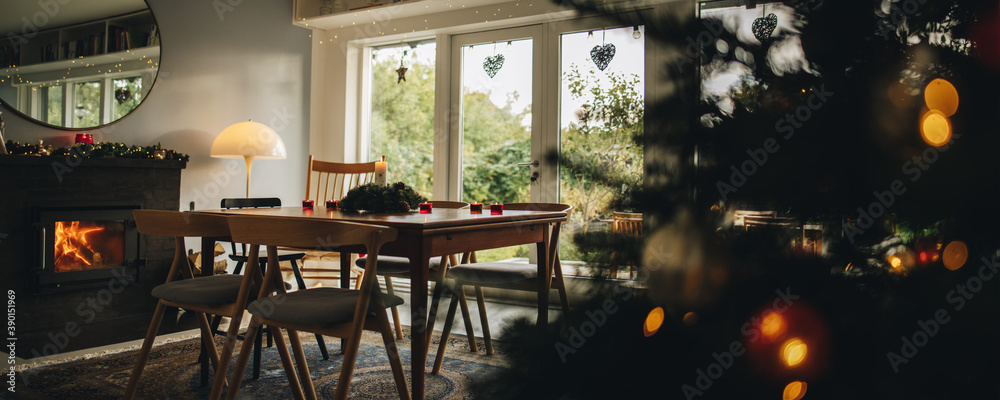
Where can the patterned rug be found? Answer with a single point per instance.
(174, 373)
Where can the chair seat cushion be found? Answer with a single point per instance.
(215, 289)
(392, 265)
(494, 272)
(323, 305)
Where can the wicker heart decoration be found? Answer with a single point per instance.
(763, 27)
(602, 55)
(492, 64)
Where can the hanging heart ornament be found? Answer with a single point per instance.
(492, 64)
(763, 27)
(602, 55)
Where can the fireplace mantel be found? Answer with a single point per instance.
(92, 162)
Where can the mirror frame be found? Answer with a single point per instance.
(156, 76)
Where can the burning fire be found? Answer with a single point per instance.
(72, 250)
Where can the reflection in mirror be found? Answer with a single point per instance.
(78, 65)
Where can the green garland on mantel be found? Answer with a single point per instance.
(97, 150)
(370, 197)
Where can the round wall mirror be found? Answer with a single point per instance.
(78, 64)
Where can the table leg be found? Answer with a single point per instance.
(544, 272)
(419, 334)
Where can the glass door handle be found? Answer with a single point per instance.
(529, 164)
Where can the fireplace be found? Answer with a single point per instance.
(108, 300)
(84, 246)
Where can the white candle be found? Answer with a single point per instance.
(380, 172)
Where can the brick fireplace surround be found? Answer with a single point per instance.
(55, 318)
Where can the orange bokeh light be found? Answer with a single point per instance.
(691, 318)
(794, 391)
(955, 255)
(935, 128)
(653, 322)
(941, 95)
(772, 327)
(895, 262)
(793, 352)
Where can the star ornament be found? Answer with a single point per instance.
(401, 71)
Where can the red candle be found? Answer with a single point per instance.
(332, 205)
(425, 207)
(307, 204)
(476, 208)
(84, 138)
(496, 209)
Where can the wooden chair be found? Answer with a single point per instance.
(625, 223)
(399, 267)
(331, 181)
(330, 311)
(505, 275)
(290, 256)
(218, 294)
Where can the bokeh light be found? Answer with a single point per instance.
(955, 255)
(772, 327)
(794, 391)
(653, 322)
(691, 318)
(793, 352)
(941, 95)
(935, 128)
(895, 262)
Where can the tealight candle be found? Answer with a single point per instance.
(332, 205)
(425, 207)
(307, 204)
(496, 209)
(476, 208)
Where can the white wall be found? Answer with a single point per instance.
(218, 66)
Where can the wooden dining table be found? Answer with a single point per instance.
(439, 233)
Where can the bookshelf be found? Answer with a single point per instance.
(119, 34)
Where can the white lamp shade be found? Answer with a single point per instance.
(248, 139)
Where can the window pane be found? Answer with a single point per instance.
(127, 96)
(496, 128)
(496, 121)
(87, 104)
(601, 112)
(402, 114)
(52, 100)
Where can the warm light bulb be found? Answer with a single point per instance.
(793, 352)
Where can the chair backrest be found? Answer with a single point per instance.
(252, 202)
(331, 181)
(311, 234)
(180, 225)
(554, 238)
(627, 223)
(538, 207)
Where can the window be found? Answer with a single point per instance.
(401, 119)
(85, 104)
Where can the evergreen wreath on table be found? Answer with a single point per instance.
(370, 197)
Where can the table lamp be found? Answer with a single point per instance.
(248, 140)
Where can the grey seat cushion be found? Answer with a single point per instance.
(494, 272)
(395, 265)
(322, 305)
(215, 289)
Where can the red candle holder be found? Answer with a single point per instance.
(332, 205)
(84, 138)
(425, 207)
(476, 208)
(307, 204)
(496, 209)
